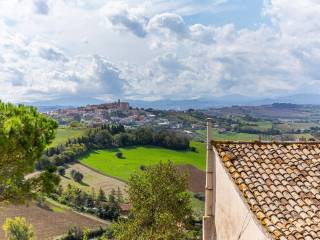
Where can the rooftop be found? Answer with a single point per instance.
(280, 181)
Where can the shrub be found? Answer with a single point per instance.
(76, 175)
(142, 167)
(119, 155)
(61, 171)
(199, 196)
(74, 233)
(18, 229)
(193, 149)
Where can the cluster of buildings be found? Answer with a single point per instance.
(95, 115)
(122, 106)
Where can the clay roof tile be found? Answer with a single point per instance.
(281, 184)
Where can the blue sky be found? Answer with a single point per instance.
(158, 49)
(241, 13)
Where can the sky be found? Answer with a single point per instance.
(158, 49)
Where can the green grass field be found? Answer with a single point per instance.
(63, 134)
(107, 163)
(230, 136)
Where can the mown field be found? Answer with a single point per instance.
(64, 133)
(107, 163)
(92, 180)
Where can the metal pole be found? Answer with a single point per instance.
(209, 231)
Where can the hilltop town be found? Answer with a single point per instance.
(122, 113)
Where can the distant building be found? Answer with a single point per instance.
(123, 106)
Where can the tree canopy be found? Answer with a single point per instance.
(161, 206)
(24, 134)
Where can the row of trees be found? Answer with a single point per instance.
(252, 130)
(111, 136)
(101, 205)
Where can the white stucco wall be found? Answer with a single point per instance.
(233, 219)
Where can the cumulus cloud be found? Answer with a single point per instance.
(119, 15)
(168, 23)
(180, 60)
(35, 68)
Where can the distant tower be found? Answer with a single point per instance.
(119, 102)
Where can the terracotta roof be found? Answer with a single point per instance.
(281, 184)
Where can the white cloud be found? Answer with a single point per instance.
(72, 47)
(35, 68)
(168, 23)
(120, 16)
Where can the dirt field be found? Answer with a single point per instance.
(196, 178)
(49, 223)
(92, 179)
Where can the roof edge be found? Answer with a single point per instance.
(217, 142)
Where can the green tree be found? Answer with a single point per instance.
(24, 134)
(102, 195)
(61, 170)
(76, 175)
(18, 229)
(161, 206)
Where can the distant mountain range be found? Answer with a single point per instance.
(213, 102)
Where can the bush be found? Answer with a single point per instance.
(61, 171)
(193, 149)
(143, 168)
(42, 163)
(74, 233)
(119, 155)
(200, 196)
(76, 175)
(18, 229)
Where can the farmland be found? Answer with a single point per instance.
(92, 180)
(234, 136)
(42, 219)
(107, 163)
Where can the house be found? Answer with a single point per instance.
(262, 190)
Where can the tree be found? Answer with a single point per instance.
(119, 154)
(61, 171)
(24, 134)
(76, 175)
(144, 136)
(161, 205)
(103, 139)
(101, 195)
(18, 229)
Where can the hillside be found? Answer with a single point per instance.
(50, 222)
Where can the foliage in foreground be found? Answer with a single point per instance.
(24, 134)
(18, 229)
(161, 206)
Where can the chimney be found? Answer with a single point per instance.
(209, 230)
